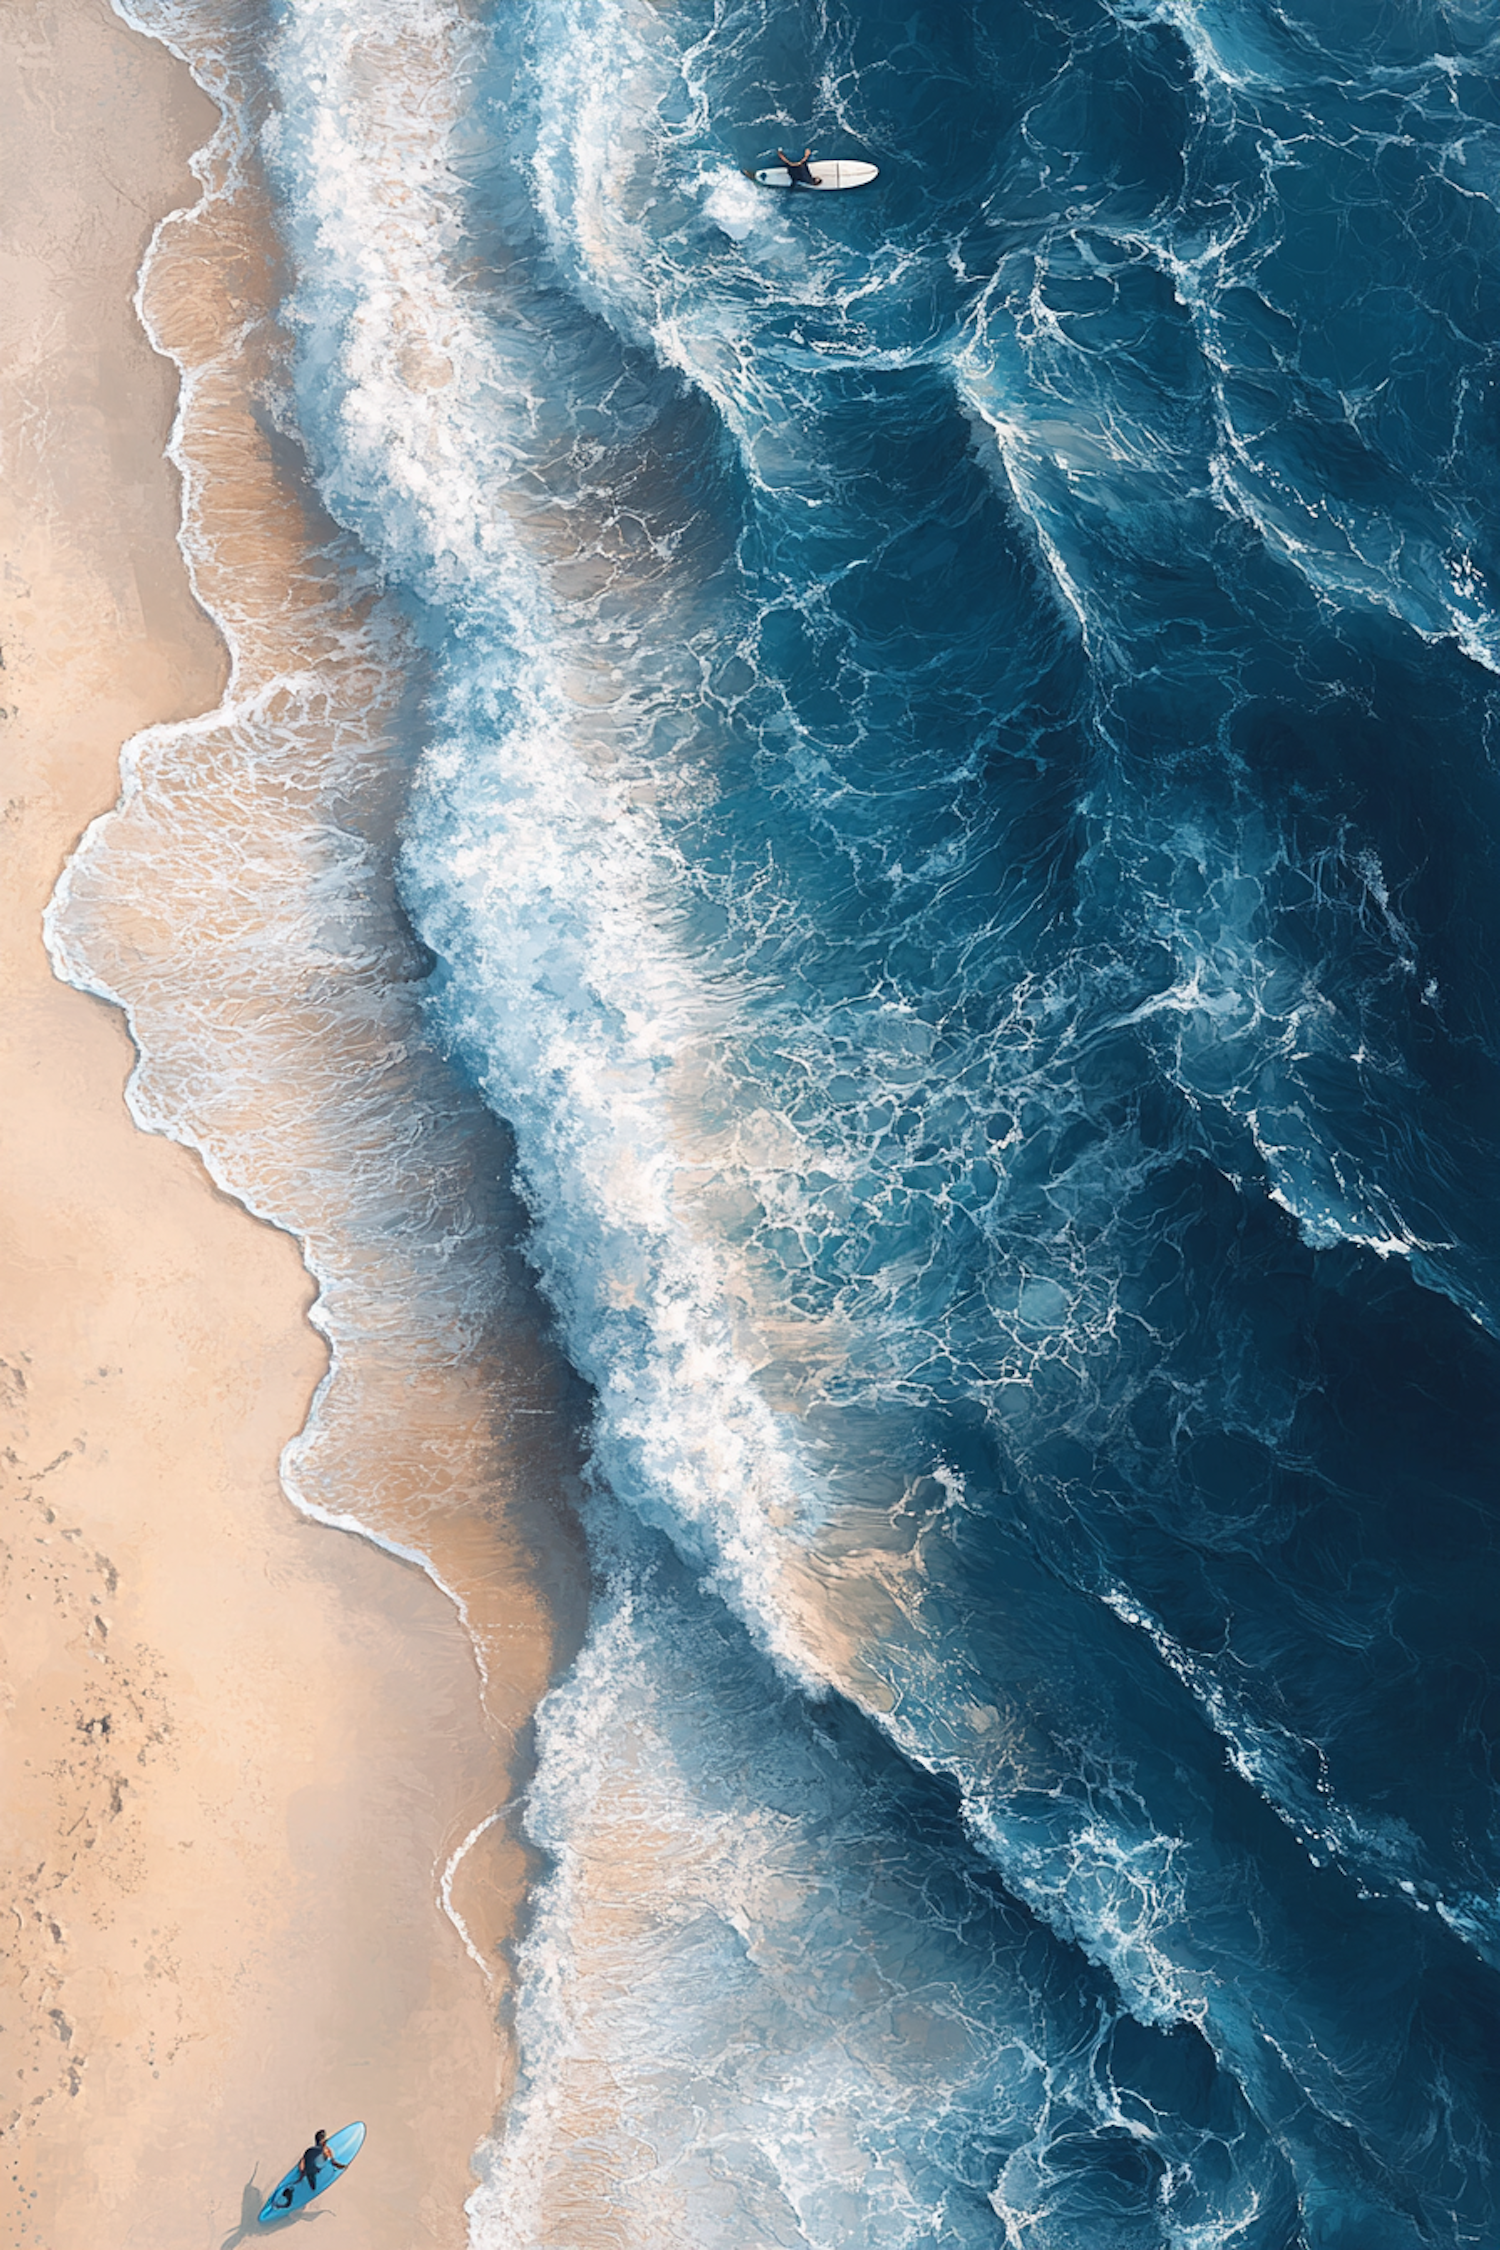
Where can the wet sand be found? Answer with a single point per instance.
(239, 1748)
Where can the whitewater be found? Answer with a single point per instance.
(942, 749)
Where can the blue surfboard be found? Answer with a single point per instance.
(292, 2192)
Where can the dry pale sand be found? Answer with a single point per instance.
(237, 1746)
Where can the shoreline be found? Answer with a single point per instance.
(246, 1752)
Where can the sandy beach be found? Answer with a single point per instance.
(239, 1748)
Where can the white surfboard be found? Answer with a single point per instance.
(837, 173)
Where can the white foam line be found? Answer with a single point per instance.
(445, 1886)
(226, 144)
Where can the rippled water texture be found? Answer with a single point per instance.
(957, 821)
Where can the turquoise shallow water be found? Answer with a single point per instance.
(957, 823)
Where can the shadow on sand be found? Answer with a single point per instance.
(249, 2228)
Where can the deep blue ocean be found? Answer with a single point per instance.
(958, 824)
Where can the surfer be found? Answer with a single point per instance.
(800, 167)
(307, 2168)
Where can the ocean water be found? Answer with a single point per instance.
(948, 784)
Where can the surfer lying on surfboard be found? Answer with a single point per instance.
(801, 172)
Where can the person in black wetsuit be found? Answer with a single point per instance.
(307, 2167)
(800, 167)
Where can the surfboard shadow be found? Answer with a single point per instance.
(250, 2228)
